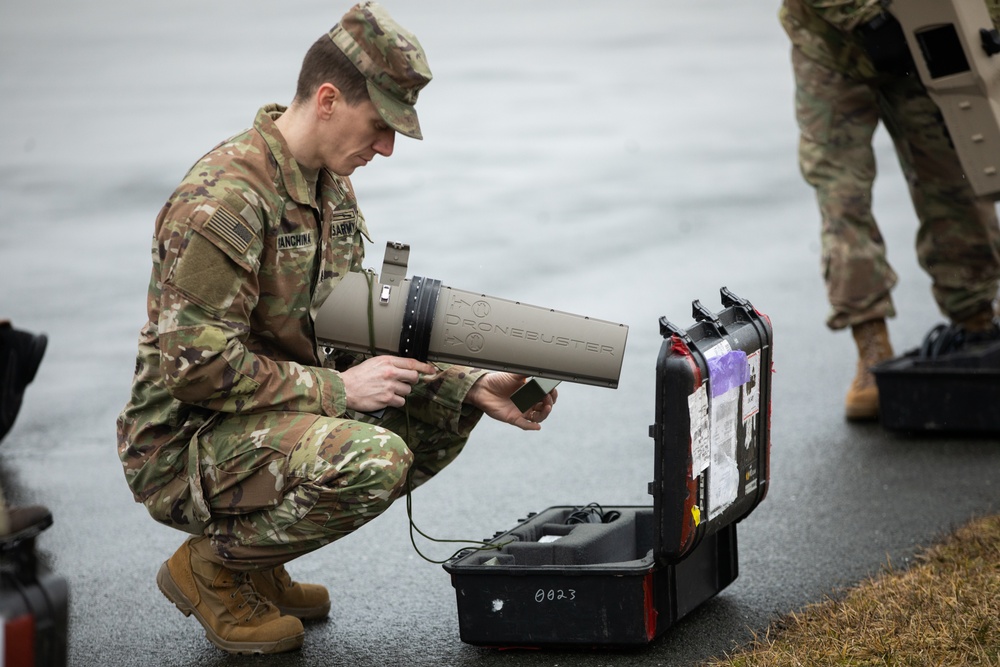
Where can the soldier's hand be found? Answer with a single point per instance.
(382, 381)
(491, 394)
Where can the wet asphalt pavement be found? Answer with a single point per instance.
(616, 160)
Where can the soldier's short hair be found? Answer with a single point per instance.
(324, 62)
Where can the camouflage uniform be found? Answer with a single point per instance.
(237, 425)
(840, 99)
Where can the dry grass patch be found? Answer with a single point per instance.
(943, 610)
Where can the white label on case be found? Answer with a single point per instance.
(751, 390)
(701, 433)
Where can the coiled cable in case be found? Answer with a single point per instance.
(592, 513)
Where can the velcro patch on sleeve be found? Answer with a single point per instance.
(206, 274)
(231, 228)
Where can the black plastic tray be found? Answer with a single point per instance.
(958, 392)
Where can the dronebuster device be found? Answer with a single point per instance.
(422, 319)
(954, 45)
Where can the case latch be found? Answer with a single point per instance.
(668, 329)
(702, 314)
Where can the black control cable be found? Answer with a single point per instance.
(471, 545)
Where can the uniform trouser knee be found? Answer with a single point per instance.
(269, 487)
(359, 490)
(336, 477)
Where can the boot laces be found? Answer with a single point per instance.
(251, 596)
(874, 348)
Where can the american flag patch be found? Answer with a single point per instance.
(231, 229)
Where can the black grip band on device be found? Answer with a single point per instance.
(421, 301)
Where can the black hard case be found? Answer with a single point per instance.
(34, 608)
(626, 581)
(956, 392)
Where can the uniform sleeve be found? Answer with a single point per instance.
(845, 15)
(209, 263)
(994, 8)
(440, 398)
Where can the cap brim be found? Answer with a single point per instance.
(400, 116)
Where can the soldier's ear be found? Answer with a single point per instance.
(326, 99)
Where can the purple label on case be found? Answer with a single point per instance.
(728, 371)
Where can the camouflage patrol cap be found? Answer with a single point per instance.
(391, 59)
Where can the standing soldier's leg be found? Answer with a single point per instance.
(958, 242)
(837, 118)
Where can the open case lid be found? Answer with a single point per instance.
(712, 430)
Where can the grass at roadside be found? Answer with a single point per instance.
(942, 610)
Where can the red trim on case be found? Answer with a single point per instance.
(649, 602)
(687, 521)
(18, 641)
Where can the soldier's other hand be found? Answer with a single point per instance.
(491, 394)
(382, 381)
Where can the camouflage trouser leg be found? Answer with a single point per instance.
(280, 485)
(957, 236)
(958, 240)
(837, 119)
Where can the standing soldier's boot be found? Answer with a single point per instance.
(20, 354)
(872, 339)
(235, 616)
(979, 328)
(17, 523)
(303, 601)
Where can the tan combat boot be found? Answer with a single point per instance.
(979, 324)
(304, 601)
(872, 339)
(235, 616)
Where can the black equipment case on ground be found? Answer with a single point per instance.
(34, 605)
(621, 575)
(958, 390)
